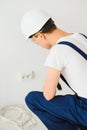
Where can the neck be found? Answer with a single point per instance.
(56, 35)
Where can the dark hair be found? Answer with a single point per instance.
(47, 28)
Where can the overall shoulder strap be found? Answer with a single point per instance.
(83, 35)
(82, 53)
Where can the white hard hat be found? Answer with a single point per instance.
(33, 21)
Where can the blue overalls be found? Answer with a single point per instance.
(67, 112)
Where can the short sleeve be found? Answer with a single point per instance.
(55, 58)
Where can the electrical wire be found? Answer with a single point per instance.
(18, 115)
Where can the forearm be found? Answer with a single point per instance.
(50, 85)
(49, 92)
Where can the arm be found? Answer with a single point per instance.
(52, 78)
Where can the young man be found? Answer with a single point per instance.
(58, 112)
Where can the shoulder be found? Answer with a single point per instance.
(56, 57)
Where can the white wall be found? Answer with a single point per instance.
(19, 55)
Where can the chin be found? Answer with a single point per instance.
(47, 47)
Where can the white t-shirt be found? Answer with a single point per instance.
(71, 64)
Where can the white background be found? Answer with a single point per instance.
(20, 56)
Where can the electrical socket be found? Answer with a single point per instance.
(26, 75)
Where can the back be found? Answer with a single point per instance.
(72, 65)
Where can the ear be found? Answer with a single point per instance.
(42, 36)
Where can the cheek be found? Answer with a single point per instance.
(39, 42)
(42, 43)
